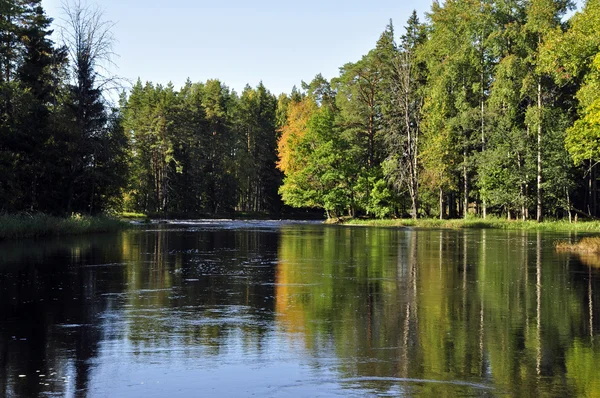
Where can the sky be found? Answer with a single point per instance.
(244, 42)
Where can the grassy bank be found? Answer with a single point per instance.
(496, 223)
(38, 225)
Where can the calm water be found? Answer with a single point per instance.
(278, 309)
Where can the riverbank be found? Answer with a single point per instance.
(495, 223)
(297, 215)
(40, 225)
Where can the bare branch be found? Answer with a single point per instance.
(89, 41)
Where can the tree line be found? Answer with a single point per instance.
(486, 107)
(489, 107)
(201, 150)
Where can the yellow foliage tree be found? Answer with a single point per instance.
(298, 115)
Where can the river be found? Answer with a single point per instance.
(284, 309)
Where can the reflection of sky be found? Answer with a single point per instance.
(280, 365)
(176, 367)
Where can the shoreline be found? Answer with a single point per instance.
(25, 226)
(477, 223)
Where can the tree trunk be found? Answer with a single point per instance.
(594, 192)
(539, 152)
(526, 183)
(484, 203)
(414, 206)
(371, 140)
(441, 203)
(411, 146)
(416, 171)
(451, 205)
(465, 185)
(568, 205)
(522, 189)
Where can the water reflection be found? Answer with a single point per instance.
(492, 308)
(50, 310)
(297, 309)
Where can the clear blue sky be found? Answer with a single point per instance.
(278, 42)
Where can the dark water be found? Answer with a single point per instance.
(270, 309)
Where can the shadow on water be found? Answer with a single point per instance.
(281, 308)
(49, 311)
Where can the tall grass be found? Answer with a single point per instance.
(491, 222)
(587, 250)
(586, 245)
(38, 225)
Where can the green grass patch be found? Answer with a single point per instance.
(38, 225)
(129, 215)
(491, 222)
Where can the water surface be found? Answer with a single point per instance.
(285, 309)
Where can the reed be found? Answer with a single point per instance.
(585, 245)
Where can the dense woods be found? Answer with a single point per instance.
(62, 149)
(202, 149)
(483, 107)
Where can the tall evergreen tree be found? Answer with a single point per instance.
(27, 87)
(257, 124)
(89, 42)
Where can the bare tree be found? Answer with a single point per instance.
(89, 40)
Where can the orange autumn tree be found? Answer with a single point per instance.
(292, 132)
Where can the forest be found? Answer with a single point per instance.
(481, 107)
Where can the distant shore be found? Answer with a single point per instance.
(22, 226)
(299, 215)
(492, 222)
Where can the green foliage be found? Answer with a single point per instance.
(61, 148)
(383, 200)
(583, 138)
(257, 125)
(488, 107)
(201, 150)
(572, 57)
(322, 181)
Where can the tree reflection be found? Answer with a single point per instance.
(196, 290)
(49, 312)
(488, 307)
(392, 311)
